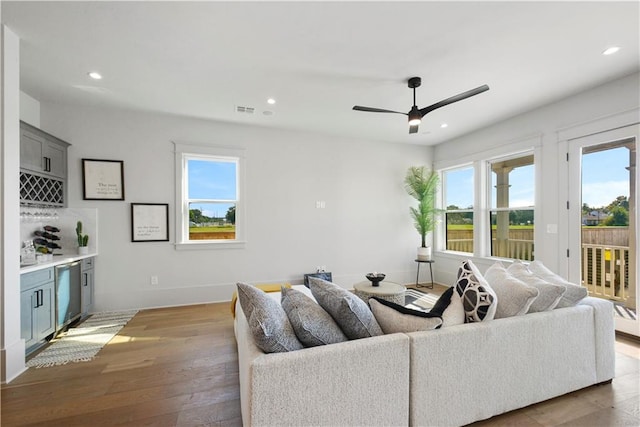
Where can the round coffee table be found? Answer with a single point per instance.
(386, 290)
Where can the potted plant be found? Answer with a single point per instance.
(422, 185)
(83, 240)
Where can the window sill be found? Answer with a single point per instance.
(197, 246)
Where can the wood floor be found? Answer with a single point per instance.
(178, 367)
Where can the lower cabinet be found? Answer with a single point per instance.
(37, 307)
(87, 291)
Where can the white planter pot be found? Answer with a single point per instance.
(424, 254)
(83, 250)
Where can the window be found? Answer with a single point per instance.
(512, 207)
(208, 203)
(458, 202)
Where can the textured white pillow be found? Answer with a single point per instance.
(514, 296)
(478, 299)
(350, 312)
(549, 294)
(574, 293)
(394, 318)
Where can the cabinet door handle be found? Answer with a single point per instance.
(41, 297)
(86, 279)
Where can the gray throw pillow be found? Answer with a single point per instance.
(549, 294)
(268, 323)
(514, 296)
(394, 318)
(478, 299)
(313, 326)
(350, 312)
(574, 293)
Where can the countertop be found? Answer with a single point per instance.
(57, 260)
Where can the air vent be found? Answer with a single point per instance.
(245, 110)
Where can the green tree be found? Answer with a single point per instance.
(195, 216)
(617, 216)
(231, 215)
(621, 201)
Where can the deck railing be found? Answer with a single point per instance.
(605, 271)
(512, 248)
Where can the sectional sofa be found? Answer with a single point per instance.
(450, 376)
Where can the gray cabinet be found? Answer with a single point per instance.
(88, 282)
(43, 167)
(42, 153)
(37, 304)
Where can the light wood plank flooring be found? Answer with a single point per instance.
(178, 367)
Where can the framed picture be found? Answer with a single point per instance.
(149, 222)
(324, 275)
(102, 179)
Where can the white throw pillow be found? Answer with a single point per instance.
(478, 299)
(549, 294)
(449, 307)
(514, 296)
(574, 293)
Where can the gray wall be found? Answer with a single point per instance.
(364, 227)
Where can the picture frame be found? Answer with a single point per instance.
(149, 222)
(324, 275)
(102, 179)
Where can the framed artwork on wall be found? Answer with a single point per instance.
(102, 179)
(149, 222)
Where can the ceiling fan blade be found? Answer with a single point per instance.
(413, 129)
(375, 110)
(456, 98)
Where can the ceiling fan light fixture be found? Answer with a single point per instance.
(414, 116)
(415, 121)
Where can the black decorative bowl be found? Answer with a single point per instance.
(375, 278)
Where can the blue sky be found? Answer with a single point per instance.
(604, 178)
(212, 180)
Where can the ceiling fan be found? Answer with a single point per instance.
(416, 114)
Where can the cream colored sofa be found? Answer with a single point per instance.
(451, 376)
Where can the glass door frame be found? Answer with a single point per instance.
(575, 148)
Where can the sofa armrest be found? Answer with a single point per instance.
(360, 382)
(605, 335)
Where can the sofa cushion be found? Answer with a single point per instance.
(514, 296)
(549, 294)
(269, 324)
(478, 299)
(449, 308)
(574, 293)
(394, 318)
(313, 326)
(350, 312)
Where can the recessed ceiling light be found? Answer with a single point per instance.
(611, 50)
(444, 125)
(271, 101)
(95, 75)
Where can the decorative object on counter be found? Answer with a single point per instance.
(149, 222)
(422, 184)
(102, 179)
(83, 240)
(46, 240)
(375, 278)
(28, 253)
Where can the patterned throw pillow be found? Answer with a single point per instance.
(514, 296)
(268, 323)
(478, 299)
(449, 307)
(350, 313)
(549, 294)
(313, 326)
(394, 318)
(574, 293)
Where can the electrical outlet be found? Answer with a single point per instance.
(154, 280)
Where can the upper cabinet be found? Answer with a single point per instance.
(43, 167)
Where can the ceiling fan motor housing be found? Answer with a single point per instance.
(414, 82)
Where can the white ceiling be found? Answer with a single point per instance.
(319, 59)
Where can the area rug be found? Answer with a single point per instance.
(82, 343)
(418, 300)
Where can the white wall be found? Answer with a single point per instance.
(364, 227)
(613, 99)
(29, 110)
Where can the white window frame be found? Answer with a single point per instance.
(183, 153)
